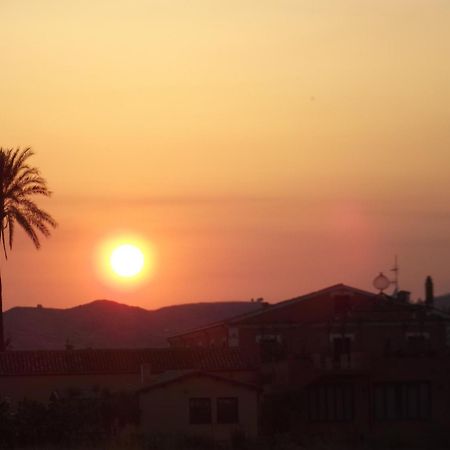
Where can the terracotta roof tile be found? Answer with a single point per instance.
(62, 362)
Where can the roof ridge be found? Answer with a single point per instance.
(192, 373)
(271, 307)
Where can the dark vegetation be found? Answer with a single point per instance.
(68, 421)
(107, 324)
(101, 420)
(443, 302)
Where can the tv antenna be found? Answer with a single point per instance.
(396, 270)
(382, 282)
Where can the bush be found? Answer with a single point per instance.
(66, 422)
(6, 424)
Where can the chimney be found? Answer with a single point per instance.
(429, 291)
(403, 296)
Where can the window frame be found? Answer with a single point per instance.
(402, 401)
(341, 347)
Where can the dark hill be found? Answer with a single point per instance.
(108, 324)
(442, 302)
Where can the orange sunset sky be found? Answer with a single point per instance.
(260, 148)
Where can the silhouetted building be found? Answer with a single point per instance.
(199, 403)
(36, 374)
(344, 361)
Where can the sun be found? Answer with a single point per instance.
(127, 260)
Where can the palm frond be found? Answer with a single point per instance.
(2, 236)
(10, 231)
(19, 182)
(26, 226)
(37, 217)
(19, 157)
(29, 172)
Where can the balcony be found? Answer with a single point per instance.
(354, 361)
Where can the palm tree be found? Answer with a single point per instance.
(19, 182)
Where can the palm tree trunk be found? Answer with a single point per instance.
(2, 333)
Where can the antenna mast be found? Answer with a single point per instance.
(396, 270)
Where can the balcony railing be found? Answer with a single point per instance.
(347, 361)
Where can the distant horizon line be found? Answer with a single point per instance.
(189, 302)
(42, 306)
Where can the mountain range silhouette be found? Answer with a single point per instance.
(108, 324)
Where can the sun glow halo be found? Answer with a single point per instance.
(127, 260)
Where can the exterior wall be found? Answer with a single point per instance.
(296, 376)
(316, 308)
(380, 353)
(216, 336)
(429, 369)
(364, 422)
(370, 338)
(274, 320)
(166, 409)
(305, 326)
(40, 387)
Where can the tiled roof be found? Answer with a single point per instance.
(68, 362)
(170, 378)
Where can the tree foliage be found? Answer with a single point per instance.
(67, 420)
(20, 182)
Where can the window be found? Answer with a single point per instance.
(199, 410)
(271, 338)
(331, 403)
(402, 401)
(227, 410)
(341, 346)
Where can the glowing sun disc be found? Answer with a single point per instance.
(127, 260)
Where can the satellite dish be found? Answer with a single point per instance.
(381, 282)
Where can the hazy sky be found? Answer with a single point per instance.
(263, 148)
